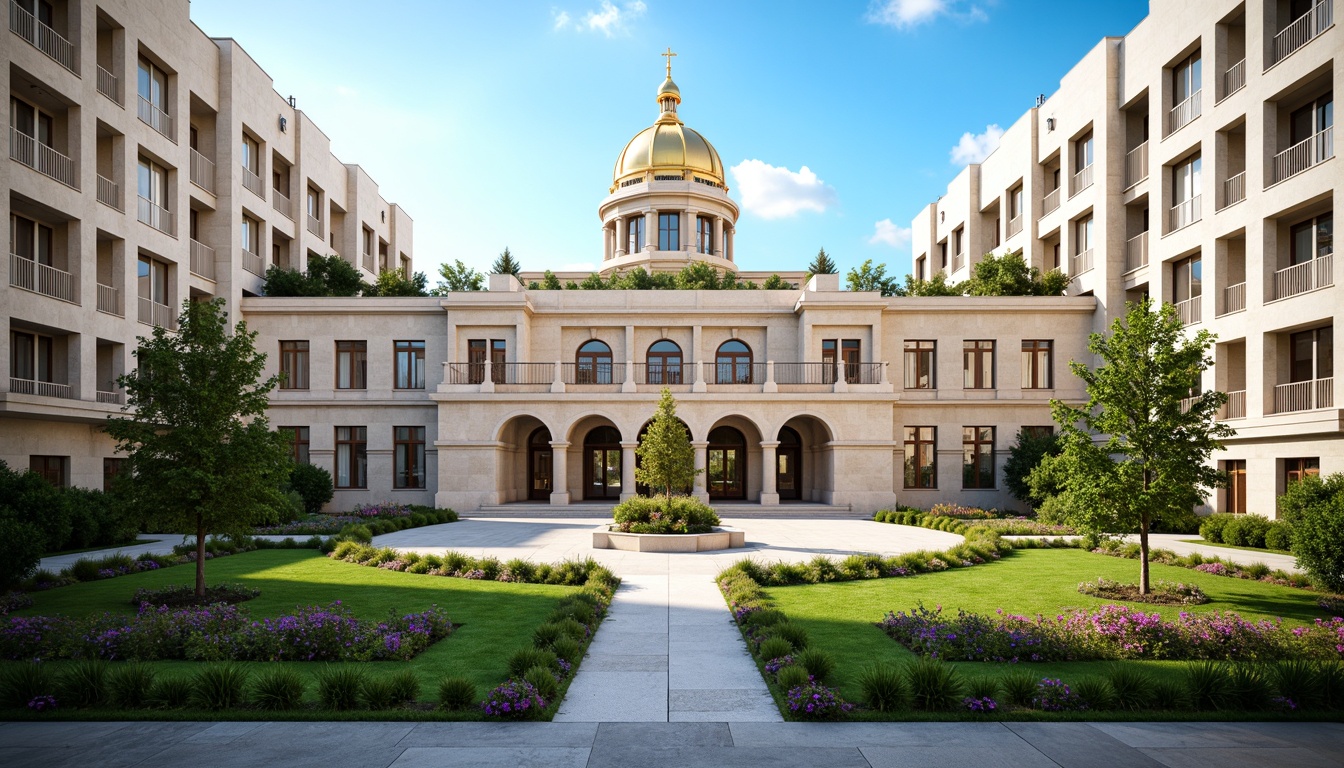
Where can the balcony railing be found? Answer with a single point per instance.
(252, 183)
(202, 260)
(1303, 30)
(109, 301)
(1304, 277)
(155, 216)
(1136, 165)
(202, 172)
(111, 398)
(1234, 190)
(659, 374)
(154, 313)
(39, 278)
(1185, 213)
(1181, 114)
(958, 261)
(41, 158)
(314, 225)
(281, 203)
(41, 37)
(1235, 407)
(368, 263)
(109, 85)
(1081, 180)
(1190, 310)
(1304, 395)
(593, 373)
(1234, 79)
(1014, 226)
(1136, 252)
(109, 192)
(1080, 263)
(1234, 299)
(43, 388)
(1304, 154)
(254, 263)
(150, 114)
(1187, 403)
(1050, 202)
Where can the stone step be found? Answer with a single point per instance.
(728, 510)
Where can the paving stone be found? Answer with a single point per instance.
(1241, 757)
(491, 757)
(1007, 755)
(222, 733)
(990, 735)
(579, 735)
(1080, 745)
(1188, 735)
(1326, 738)
(663, 735)
(725, 757)
(290, 752)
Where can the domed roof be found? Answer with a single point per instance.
(668, 147)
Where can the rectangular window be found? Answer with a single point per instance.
(477, 350)
(942, 255)
(30, 239)
(314, 207)
(351, 457)
(1312, 239)
(920, 458)
(30, 121)
(1045, 431)
(251, 155)
(704, 234)
(1187, 181)
(669, 231)
(410, 364)
(298, 444)
(922, 268)
(151, 183)
(919, 363)
(1186, 78)
(112, 468)
(152, 280)
(251, 233)
(977, 450)
(368, 241)
(409, 457)
(53, 469)
(958, 242)
(1083, 152)
(1296, 469)
(1015, 203)
(352, 364)
(1082, 235)
(1236, 486)
(1187, 279)
(636, 234)
(841, 355)
(1313, 354)
(152, 85)
(294, 364)
(1037, 364)
(977, 364)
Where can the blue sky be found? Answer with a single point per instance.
(498, 123)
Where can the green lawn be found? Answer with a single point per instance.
(840, 617)
(495, 618)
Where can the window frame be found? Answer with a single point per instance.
(669, 231)
(704, 234)
(634, 234)
(974, 369)
(300, 444)
(352, 360)
(113, 466)
(408, 364)
(735, 360)
(593, 363)
(1295, 469)
(1032, 375)
(356, 449)
(925, 363)
(294, 357)
(977, 451)
(53, 469)
(914, 442)
(669, 372)
(408, 458)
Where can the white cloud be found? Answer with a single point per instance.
(609, 18)
(887, 233)
(974, 148)
(776, 193)
(904, 14)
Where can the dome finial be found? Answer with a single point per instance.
(669, 95)
(668, 56)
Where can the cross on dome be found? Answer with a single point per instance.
(668, 56)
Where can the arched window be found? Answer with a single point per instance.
(664, 363)
(593, 363)
(732, 364)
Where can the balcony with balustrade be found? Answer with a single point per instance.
(1136, 252)
(1190, 310)
(202, 171)
(42, 37)
(153, 313)
(155, 215)
(41, 278)
(1080, 263)
(1233, 299)
(40, 388)
(1184, 113)
(1310, 395)
(1050, 203)
(635, 377)
(314, 225)
(1233, 80)
(1081, 180)
(1136, 165)
(253, 263)
(1184, 213)
(109, 85)
(155, 117)
(1302, 278)
(1235, 407)
(109, 193)
(1014, 227)
(46, 160)
(109, 301)
(1301, 31)
(252, 183)
(1233, 191)
(202, 260)
(1305, 154)
(280, 202)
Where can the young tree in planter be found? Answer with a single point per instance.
(823, 264)
(505, 264)
(666, 458)
(202, 455)
(1152, 464)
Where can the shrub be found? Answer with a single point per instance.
(814, 701)
(791, 677)
(32, 521)
(456, 693)
(883, 687)
(1279, 536)
(1299, 682)
(1019, 688)
(982, 688)
(819, 664)
(526, 658)
(546, 635)
(933, 685)
(1315, 508)
(1211, 529)
(278, 689)
(1168, 694)
(130, 685)
(679, 514)
(339, 687)
(774, 648)
(1249, 687)
(543, 679)
(1095, 693)
(572, 629)
(514, 700)
(1131, 687)
(569, 649)
(21, 683)
(219, 686)
(1330, 675)
(171, 692)
(1246, 531)
(405, 686)
(378, 693)
(1054, 695)
(83, 684)
(313, 484)
(518, 569)
(793, 633)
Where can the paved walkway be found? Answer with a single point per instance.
(652, 745)
(1187, 543)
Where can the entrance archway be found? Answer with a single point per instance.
(540, 460)
(726, 464)
(789, 465)
(805, 441)
(602, 464)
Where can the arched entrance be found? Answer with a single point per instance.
(726, 464)
(540, 460)
(789, 465)
(602, 464)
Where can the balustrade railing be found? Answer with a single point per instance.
(280, 202)
(593, 373)
(958, 261)
(109, 192)
(1136, 165)
(1234, 190)
(39, 278)
(1304, 395)
(1081, 180)
(253, 263)
(1234, 299)
(1234, 79)
(368, 263)
(1304, 154)
(153, 313)
(1050, 202)
(1303, 30)
(314, 225)
(1181, 114)
(1080, 263)
(202, 260)
(112, 398)
(664, 373)
(109, 85)
(156, 216)
(41, 158)
(152, 115)
(202, 172)
(41, 37)
(1136, 252)
(1307, 276)
(42, 388)
(1235, 407)
(1014, 226)
(1185, 213)
(109, 301)
(252, 183)
(1190, 310)
(737, 373)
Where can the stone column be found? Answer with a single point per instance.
(621, 236)
(629, 384)
(701, 459)
(699, 384)
(607, 243)
(770, 385)
(769, 472)
(717, 245)
(559, 472)
(488, 379)
(650, 230)
(628, 470)
(688, 240)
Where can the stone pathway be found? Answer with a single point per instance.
(1188, 543)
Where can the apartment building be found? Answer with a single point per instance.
(148, 163)
(1105, 180)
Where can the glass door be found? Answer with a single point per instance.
(726, 464)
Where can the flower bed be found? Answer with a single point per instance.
(181, 595)
(658, 514)
(1215, 566)
(456, 564)
(961, 520)
(1160, 592)
(385, 517)
(1109, 632)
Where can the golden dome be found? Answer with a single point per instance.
(668, 148)
(669, 88)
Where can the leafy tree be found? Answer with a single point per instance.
(870, 278)
(457, 277)
(822, 264)
(326, 276)
(1010, 275)
(1025, 455)
(1152, 465)
(593, 282)
(698, 277)
(1308, 492)
(505, 264)
(549, 282)
(666, 458)
(1315, 509)
(934, 286)
(776, 283)
(200, 448)
(391, 282)
(313, 484)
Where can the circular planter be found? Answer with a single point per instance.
(719, 538)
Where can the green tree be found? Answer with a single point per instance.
(313, 484)
(549, 282)
(200, 449)
(776, 283)
(1025, 455)
(594, 282)
(1010, 275)
(505, 264)
(326, 276)
(870, 278)
(822, 264)
(1140, 457)
(391, 282)
(1315, 509)
(666, 458)
(698, 277)
(32, 521)
(457, 277)
(934, 286)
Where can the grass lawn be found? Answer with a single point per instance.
(841, 617)
(495, 618)
(1233, 546)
